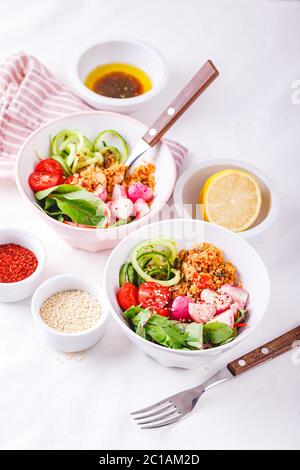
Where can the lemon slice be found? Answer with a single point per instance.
(232, 199)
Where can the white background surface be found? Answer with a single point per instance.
(51, 400)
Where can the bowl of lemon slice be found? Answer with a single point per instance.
(230, 193)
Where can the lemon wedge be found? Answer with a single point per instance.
(232, 199)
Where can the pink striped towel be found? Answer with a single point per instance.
(29, 97)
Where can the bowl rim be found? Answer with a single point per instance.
(41, 262)
(274, 193)
(158, 347)
(35, 305)
(109, 230)
(118, 102)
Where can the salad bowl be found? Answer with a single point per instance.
(186, 233)
(91, 123)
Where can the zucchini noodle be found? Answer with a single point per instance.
(74, 151)
(154, 260)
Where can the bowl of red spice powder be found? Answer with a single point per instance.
(22, 260)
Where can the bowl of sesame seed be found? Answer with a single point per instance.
(69, 312)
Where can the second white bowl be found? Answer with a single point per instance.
(188, 186)
(187, 232)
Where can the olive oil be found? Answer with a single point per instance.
(118, 80)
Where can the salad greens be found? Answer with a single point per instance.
(177, 335)
(79, 205)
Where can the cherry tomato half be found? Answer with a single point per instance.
(155, 297)
(38, 181)
(127, 295)
(49, 166)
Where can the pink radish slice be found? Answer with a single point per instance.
(238, 294)
(201, 312)
(118, 191)
(139, 191)
(140, 208)
(122, 208)
(101, 192)
(234, 307)
(221, 301)
(225, 317)
(109, 216)
(180, 308)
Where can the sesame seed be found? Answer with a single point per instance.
(71, 311)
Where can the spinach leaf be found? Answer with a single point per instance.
(81, 206)
(60, 189)
(232, 337)
(131, 312)
(216, 333)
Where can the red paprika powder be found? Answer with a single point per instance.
(16, 263)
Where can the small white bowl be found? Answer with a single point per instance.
(68, 342)
(15, 291)
(188, 186)
(187, 232)
(130, 51)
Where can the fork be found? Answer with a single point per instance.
(176, 407)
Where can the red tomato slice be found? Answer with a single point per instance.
(155, 297)
(127, 295)
(202, 281)
(38, 181)
(49, 166)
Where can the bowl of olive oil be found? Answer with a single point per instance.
(119, 75)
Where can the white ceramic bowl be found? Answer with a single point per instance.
(189, 184)
(68, 342)
(187, 232)
(15, 291)
(91, 123)
(129, 51)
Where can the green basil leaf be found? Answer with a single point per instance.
(60, 189)
(216, 333)
(81, 206)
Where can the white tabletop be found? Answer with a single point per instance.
(53, 400)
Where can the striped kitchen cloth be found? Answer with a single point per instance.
(29, 97)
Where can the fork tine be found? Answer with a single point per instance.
(166, 423)
(151, 407)
(160, 417)
(158, 410)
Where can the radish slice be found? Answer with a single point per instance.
(122, 208)
(118, 191)
(238, 294)
(139, 191)
(180, 308)
(101, 192)
(234, 307)
(221, 301)
(109, 216)
(140, 208)
(201, 312)
(225, 317)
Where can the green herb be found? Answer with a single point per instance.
(163, 331)
(216, 333)
(79, 205)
